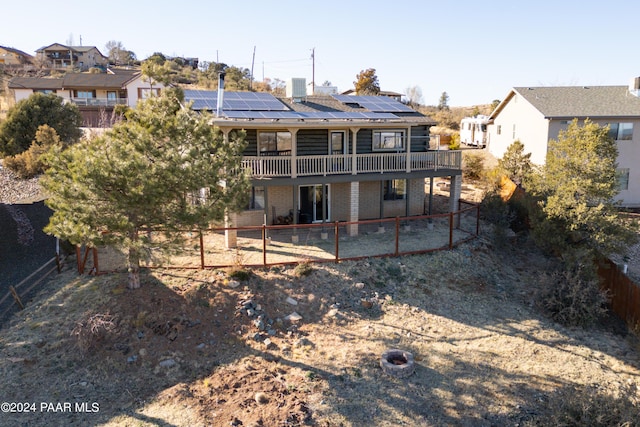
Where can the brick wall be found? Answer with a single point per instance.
(282, 198)
(369, 200)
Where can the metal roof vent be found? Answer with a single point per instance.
(297, 88)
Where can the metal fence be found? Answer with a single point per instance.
(268, 245)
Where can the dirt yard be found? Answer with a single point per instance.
(200, 348)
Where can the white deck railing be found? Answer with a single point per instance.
(341, 164)
(99, 102)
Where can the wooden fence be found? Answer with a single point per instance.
(624, 293)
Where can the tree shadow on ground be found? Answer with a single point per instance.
(189, 336)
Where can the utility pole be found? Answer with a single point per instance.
(253, 60)
(313, 71)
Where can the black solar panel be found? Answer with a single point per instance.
(339, 115)
(237, 101)
(380, 104)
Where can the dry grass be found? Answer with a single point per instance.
(484, 356)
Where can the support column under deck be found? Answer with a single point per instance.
(454, 196)
(354, 207)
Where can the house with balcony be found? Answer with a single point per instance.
(59, 56)
(10, 57)
(535, 115)
(326, 158)
(95, 94)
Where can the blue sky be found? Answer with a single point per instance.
(473, 50)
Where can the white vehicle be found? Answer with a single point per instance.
(473, 131)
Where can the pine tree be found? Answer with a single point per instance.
(515, 163)
(145, 174)
(577, 189)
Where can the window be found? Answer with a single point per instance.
(394, 189)
(514, 132)
(274, 143)
(623, 179)
(84, 94)
(146, 93)
(45, 91)
(499, 130)
(388, 140)
(112, 95)
(337, 142)
(621, 131)
(256, 198)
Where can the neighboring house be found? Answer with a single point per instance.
(14, 57)
(96, 94)
(535, 115)
(395, 95)
(81, 57)
(315, 159)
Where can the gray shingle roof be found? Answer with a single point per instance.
(96, 81)
(582, 101)
(37, 83)
(73, 81)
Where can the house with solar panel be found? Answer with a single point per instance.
(327, 158)
(535, 115)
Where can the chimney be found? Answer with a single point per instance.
(634, 86)
(220, 93)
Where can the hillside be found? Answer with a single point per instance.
(196, 348)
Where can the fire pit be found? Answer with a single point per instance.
(397, 363)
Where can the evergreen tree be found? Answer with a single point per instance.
(577, 190)
(443, 103)
(515, 163)
(145, 174)
(18, 130)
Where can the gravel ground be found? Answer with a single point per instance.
(14, 190)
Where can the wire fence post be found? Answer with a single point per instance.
(397, 236)
(336, 237)
(79, 260)
(95, 260)
(264, 244)
(201, 250)
(450, 230)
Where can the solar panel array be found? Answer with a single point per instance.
(234, 101)
(261, 105)
(338, 115)
(379, 104)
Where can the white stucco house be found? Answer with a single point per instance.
(96, 95)
(535, 115)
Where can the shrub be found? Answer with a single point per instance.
(93, 330)
(28, 163)
(455, 142)
(303, 269)
(239, 273)
(590, 406)
(473, 167)
(572, 296)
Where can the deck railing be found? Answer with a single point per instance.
(341, 164)
(99, 102)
